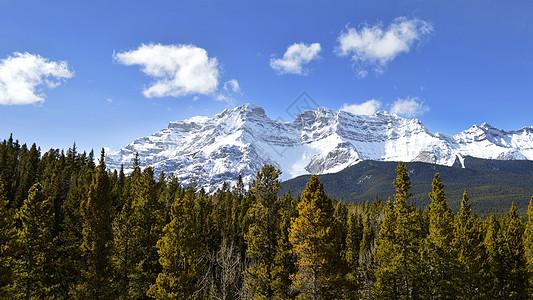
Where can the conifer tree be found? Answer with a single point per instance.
(97, 235)
(137, 228)
(7, 237)
(34, 265)
(313, 238)
(354, 236)
(262, 235)
(28, 173)
(438, 253)
(471, 278)
(528, 242)
(284, 259)
(180, 254)
(516, 277)
(399, 275)
(71, 237)
(494, 241)
(387, 258)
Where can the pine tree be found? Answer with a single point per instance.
(471, 281)
(516, 278)
(71, 260)
(313, 238)
(34, 266)
(28, 173)
(387, 258)
(262, 235)
(97, 235)
(438, 253)
(494, 241)
(180, 254)
(354, 236)
(7, 237)
(528, 242)
(284, 259)
(397, 255)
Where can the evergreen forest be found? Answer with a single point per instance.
(70, 228)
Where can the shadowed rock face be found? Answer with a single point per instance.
(241, 140)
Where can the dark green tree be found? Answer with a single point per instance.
(262, 235)
(97, 235)
(471, 279)
(7, 238)
(180, 255)
(438, 254)
(314, 242)
(34, 268)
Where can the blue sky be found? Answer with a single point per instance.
(102, 73)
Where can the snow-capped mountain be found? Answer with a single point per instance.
(240, 140)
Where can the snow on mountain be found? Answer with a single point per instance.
(241, 140)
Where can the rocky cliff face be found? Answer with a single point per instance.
(241, 140)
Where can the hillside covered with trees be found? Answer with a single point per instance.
(73, 229)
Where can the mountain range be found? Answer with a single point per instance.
(240, 141)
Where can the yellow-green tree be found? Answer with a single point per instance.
(34, 263)
(438, 254)
(472, 280)
(313, 238)
(398, 244)
(7, 237)
(180, 254)
(262, 235)
(97, 215)
(528, 240)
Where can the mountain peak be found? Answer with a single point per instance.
(241, 140)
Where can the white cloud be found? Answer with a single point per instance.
(23, 75)
(179, 70)
(410, 107)
(232, 86)
(366, 108)
(228, 92)
(295, 57)
(375, 47)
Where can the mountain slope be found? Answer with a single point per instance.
(240, 140)
(492, 185)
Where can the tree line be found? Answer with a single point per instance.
(73, 229)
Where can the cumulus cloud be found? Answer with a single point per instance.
(410, 107)
(296, 56)
(179, 70)
(366, 108)
(374, 47)
(23, 75)
(232, 86)
(228, 92)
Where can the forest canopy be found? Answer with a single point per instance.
(72, 228)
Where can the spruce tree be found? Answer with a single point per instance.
(7, 238)
(471, 280)
(284, 260)
(313, 238)
(34, 264)
(516, 278)
(137, 229)
(387, 257)
(180, 255)
(262, 235)
(399, 274)
(496, 268)
(71, 258)
(528, 242)
(354, 236)
(97, 235)
(438, 253)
